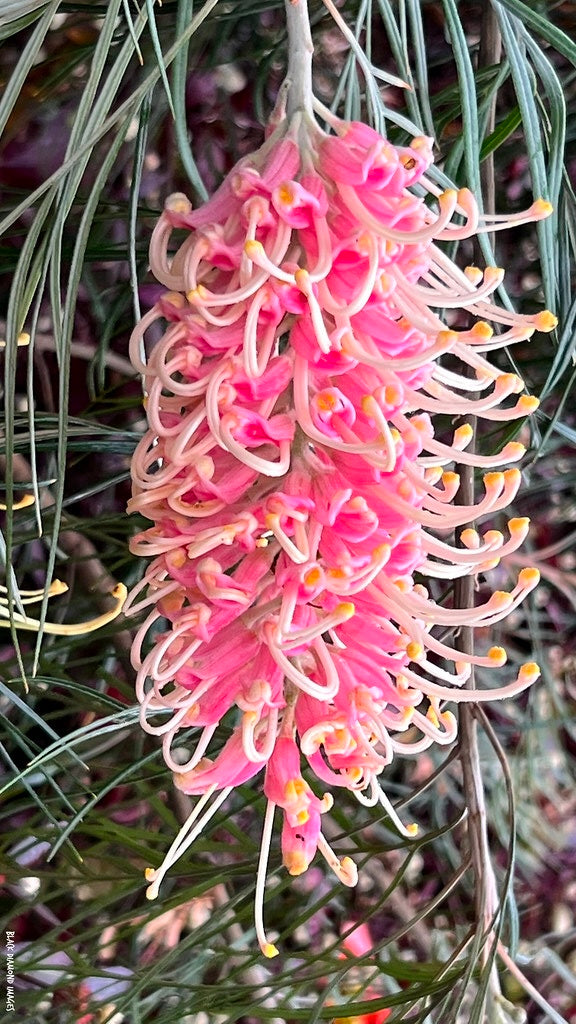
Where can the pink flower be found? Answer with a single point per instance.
(285, 788)
(358, 943)
(295, 483)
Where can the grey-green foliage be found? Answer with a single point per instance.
(74, 716)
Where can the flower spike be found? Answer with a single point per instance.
(297, 486)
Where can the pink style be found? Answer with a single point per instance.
(298, 493)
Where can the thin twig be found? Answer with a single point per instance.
(486, 893)
(300, 49)
(528, 987)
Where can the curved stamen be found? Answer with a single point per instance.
(190, 831)
(268, 948)
(20, 621)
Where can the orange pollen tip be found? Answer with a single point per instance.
(346, 609)
(294, 788)
(529, 671)
(325, 401)
(414, 650)
(174, 298)
(392, 394)
(433, 717)
(401, 585)
(511, 380)
(521, 523)
(529, 577)
(364, 243)
(514, 449)
(482, 330)
(541, 208)
(178, 203)
(450, 478)
(150, 874)
(269, 950)
(495, 479)
(528, 403)
(463, 433)
(197, 294)
(512, 475)
(470, 538)
(336, 574)
(286, 194)
(474, 274)
(447, 338)
(493, 537)
(312, 577)
(348, 872)
(412, 828)
(295, 862)
(253, 248)
(501, 597)
(545, 321)
(178, 558)
(25, 501)
(498, 656)
(420, 424)
(382, 551)
(57, 587)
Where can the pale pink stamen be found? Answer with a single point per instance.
(190, 831)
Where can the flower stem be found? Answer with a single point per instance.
(300, 50)
(486, 889)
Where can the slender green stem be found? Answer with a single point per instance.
(300, 50)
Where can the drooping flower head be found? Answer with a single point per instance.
(298, 492)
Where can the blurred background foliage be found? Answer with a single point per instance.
(105, 108)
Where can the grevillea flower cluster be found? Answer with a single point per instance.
(298, 492)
